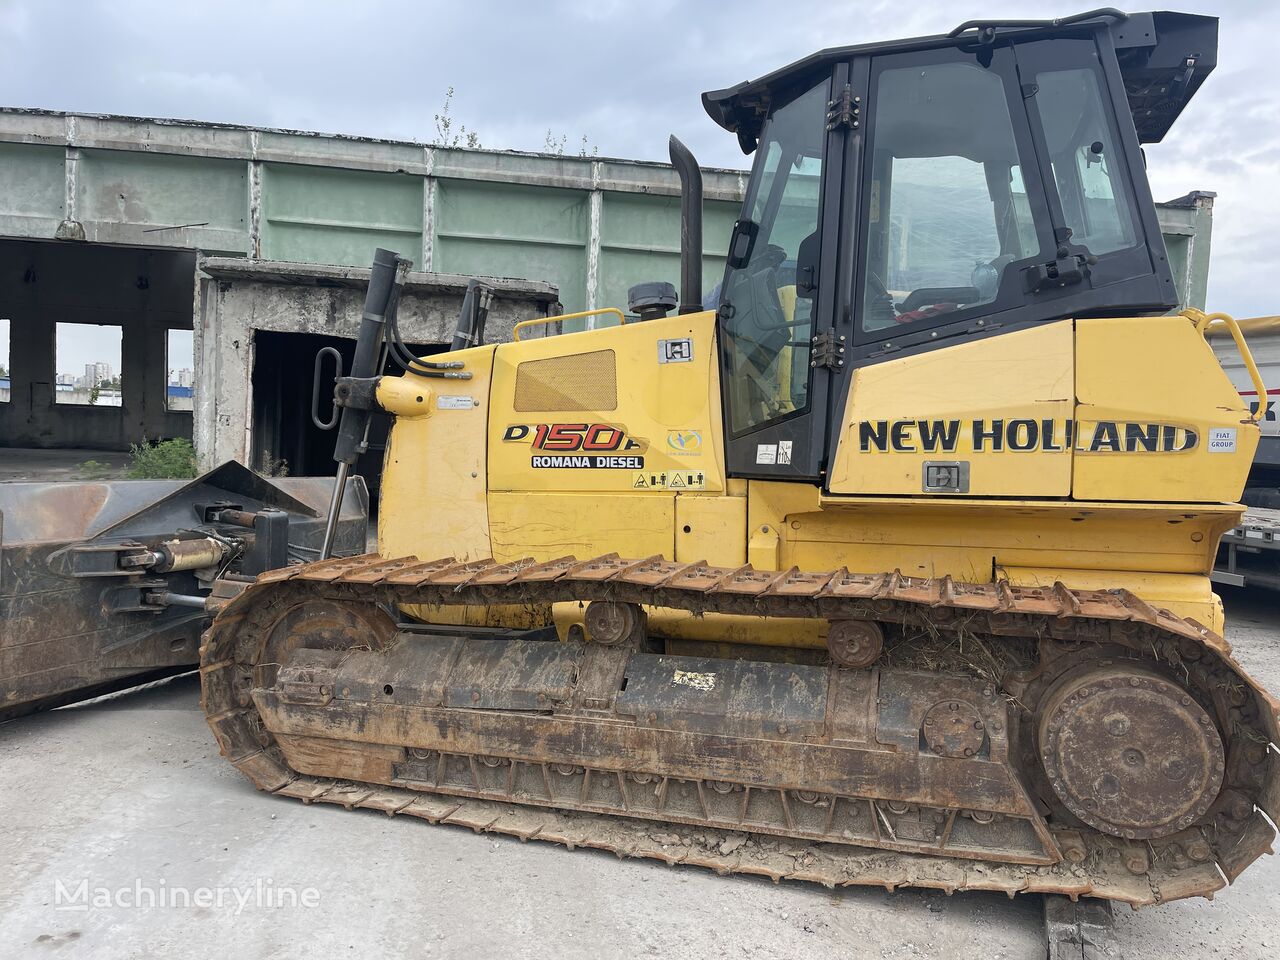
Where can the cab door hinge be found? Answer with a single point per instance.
(827, 350)
(845, 110)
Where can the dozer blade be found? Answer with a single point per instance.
(76, 621)
(1028, 777)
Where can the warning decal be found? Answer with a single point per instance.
(669, 480)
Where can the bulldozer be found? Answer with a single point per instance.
(887, 564)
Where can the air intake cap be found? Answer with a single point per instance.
(653, 300)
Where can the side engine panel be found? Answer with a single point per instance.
(1158, 418)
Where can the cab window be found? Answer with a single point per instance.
(768, 301)
(947, 209)
(1081, 148)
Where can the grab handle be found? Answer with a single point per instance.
(1205, 320)
(540, 321)
(315, 388)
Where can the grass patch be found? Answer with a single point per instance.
(95, 470)
(162, 460)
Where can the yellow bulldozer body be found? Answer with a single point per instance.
(1083, 442)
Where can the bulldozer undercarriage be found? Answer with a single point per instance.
(964, 736)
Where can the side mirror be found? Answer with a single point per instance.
(742, 242)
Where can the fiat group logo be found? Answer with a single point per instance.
(685, 441)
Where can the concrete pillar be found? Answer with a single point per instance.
(594, 226)
(428, 210)
(31, 353)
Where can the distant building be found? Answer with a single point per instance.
(180, 397)
(96, 372)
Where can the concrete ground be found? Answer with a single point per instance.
(20, 463)
(126, 800)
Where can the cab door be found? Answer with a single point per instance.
(1001, 197)
(777, 349)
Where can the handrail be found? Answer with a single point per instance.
(315, 388)
(538, 321)
(1203, 321)
(1109, 13)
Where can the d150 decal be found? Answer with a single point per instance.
(572, 437)
(599, 446)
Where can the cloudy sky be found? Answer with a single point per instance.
(622, 74)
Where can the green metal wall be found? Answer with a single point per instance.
(161, 191)
(327, 215)
(31, 180)
(640, 240)
(487, 228)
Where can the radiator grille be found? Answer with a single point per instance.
(582, 381)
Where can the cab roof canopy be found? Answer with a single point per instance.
(1163, 57)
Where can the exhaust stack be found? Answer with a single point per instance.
(690, 226)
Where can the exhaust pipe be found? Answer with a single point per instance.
(690, 226)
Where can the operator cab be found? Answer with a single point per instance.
(906, 195)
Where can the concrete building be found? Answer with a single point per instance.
(261, 323)
(255, 238)
(95, 373)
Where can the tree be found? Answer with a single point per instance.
(553, 144)
(448, 136)
(445, 134)
(4, 371)
(93, 395)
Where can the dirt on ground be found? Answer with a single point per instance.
(17, 463)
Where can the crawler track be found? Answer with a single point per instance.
(1117, 638)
